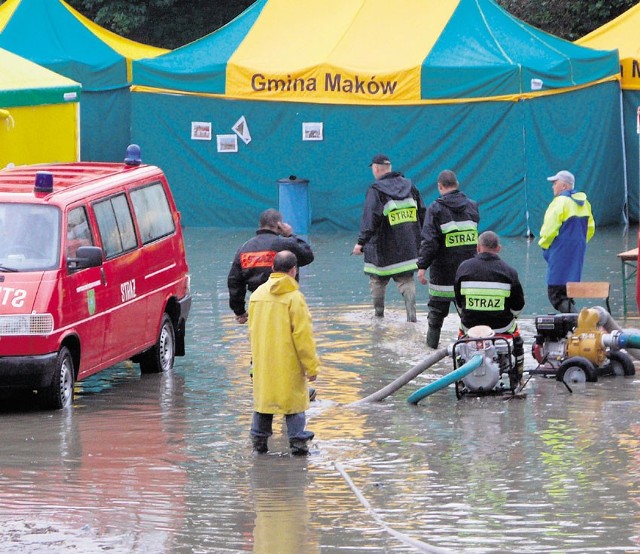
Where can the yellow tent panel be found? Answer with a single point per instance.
(620, 33)
(350, 54)
(38, 134)
(39, 113)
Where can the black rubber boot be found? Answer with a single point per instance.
(299, 447)
(260, 445)
(433, 337)
(378, 306)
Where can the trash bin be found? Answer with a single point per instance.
(294, 204)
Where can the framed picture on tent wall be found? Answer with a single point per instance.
(312, 131)
(227, 143)
(201, 130)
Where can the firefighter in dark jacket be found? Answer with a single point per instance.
(449, 236)
(390, 234)
(254, 259)
(488, 292)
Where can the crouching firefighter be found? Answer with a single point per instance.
(488, 292)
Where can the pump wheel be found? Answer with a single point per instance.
(577, 370)
(59, 394)
(160, 357)
(621, 364)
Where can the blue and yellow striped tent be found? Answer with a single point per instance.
(54, 35)
(434, 84)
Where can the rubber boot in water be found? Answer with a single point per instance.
(299, 447)
(410, 305)
(433, 337)
(260, 445)
(378, 306)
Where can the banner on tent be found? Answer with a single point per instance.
(630, 72)
(323, 83)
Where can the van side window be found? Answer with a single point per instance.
(78, 231)
(115, 225)
(152, 212)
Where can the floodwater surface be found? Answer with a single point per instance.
(163, 464)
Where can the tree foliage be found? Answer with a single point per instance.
(173, 23)
(164, 23)
(568, 19)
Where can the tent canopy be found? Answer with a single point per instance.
(53, 34)
(39, 113)
(620, 33)
(434, 84)
(372, 51)
(24, 83)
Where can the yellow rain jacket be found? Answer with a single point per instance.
(282, 346)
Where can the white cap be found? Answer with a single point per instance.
(565, 176)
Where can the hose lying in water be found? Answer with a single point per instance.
(418, 545)
(474, 363)
(405, 378)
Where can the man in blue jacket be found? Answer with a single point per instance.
(390, 234)
(567, 227)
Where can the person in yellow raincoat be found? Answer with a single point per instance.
(284, 355)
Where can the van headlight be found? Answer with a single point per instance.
(27, 324)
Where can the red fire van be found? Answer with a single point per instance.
(93, 271)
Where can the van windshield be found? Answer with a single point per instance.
(29, 237)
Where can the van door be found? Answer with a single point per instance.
(162, 257)
(83, 293)
(124, 275)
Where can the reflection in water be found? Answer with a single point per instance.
(162, 463)
(105, 476)
(279, 489)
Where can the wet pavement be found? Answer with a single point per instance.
(162, 463)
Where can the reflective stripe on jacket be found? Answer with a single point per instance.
(488, 292)
(252, 263)
(390, 227)
(449, 236)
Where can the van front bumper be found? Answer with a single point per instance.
(27, 371)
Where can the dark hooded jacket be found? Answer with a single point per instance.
(488, 292)
(449, 236)
(392, 218)
(253, 262)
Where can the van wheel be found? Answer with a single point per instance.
(59, 394)
(161, 356)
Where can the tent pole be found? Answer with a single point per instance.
(625, 213)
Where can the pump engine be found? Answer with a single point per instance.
(577, 347)
(497, 361)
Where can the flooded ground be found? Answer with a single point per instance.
(162, 463)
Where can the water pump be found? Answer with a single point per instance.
(576, 347)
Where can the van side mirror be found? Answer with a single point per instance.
(86, 256)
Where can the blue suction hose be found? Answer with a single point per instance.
(464, 370)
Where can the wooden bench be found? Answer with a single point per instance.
(590, 289)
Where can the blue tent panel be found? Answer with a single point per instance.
(502, 153)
